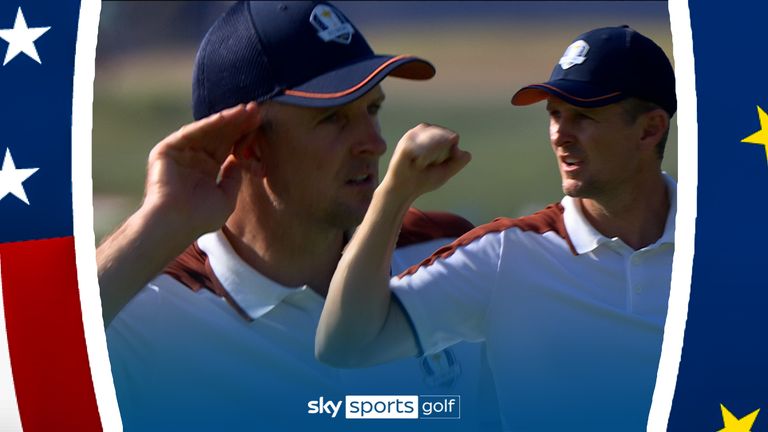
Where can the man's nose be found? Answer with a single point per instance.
(560, 132)
(368, 139)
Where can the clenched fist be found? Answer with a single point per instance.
(425, 158)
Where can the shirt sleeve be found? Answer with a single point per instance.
(447, 295)
(405, 257)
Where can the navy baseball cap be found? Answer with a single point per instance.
(297, 52)
(604, 66)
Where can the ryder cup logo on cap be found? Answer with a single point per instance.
(605, 66)
(330, 25)
(304, 53)
(575, 54)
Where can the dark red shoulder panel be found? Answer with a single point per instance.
(193, 270)
(545, 220)
(189, 268)
(420, 226)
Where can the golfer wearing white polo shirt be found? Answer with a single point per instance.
(571, 301)
(214, 287)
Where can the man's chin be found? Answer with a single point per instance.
(572, 188)
(578, 189)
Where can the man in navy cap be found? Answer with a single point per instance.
(244, 218)
(571, 301)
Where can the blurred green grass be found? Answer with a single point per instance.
(141, 99)
(512, 172)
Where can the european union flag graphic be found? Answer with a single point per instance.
(760, 137)
(723, 375)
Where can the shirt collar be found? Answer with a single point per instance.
(254, 293)
(585, 238)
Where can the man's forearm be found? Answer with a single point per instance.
(359, 299)
(193, 178)
(360, 323)
(134, 254)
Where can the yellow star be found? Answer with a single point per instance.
(761, 136)
(732, 424)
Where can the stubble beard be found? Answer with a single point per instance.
(346, 216)
(581, 188)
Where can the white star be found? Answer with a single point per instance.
(12, 178)
(21, 39)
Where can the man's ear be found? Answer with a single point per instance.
(654, 125)
(249, 152)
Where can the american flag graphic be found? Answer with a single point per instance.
(54, 372)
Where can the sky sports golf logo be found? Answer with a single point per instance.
(390, 407)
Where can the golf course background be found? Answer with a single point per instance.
(483, 52)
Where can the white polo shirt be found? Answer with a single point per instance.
(187, 360)
(572, 320)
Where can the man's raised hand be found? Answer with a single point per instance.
(191, 189)
(191, 174)
(425, 158)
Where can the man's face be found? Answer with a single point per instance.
(597, 149)
(322, 163)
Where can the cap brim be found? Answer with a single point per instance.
(576, 93)
(348, 83)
